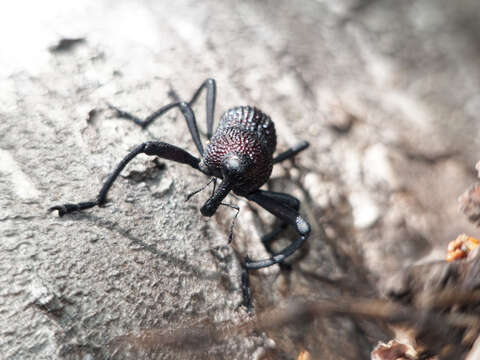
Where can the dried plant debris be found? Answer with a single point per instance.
(470, 203)
(304, 355)
(394, 350)
(449, 290)
(461, 247)
(439, 334)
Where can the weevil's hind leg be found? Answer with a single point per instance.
(211, 87)
(290, 153)
(186, 110)
(279, 205)
(268, 238)
(152, 148)
(287, 200)
(286, 214)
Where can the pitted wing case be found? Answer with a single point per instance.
(244, 130)
(254, 121)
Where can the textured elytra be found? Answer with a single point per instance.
(244, 130)
(253, 120)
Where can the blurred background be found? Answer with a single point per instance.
(386, 92)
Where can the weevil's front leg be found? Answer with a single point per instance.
(287, 200)
(153, 148)
(284, 207)
(286, 214)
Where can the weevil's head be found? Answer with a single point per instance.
(235, 169)
(235, 174)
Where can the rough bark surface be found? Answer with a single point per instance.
(385, 92)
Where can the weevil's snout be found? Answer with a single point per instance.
(212, 204)
(209, 208)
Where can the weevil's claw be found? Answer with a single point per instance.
(68, 208)
(61, 210)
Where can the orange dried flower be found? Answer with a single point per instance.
(460, 247)
(304, 355)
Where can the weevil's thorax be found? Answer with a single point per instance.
(247, 135)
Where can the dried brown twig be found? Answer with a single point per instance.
(303, 312)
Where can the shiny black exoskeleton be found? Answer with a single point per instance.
(240, 153)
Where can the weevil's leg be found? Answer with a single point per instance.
(294, 150)
(148, 120)
(152, 148)
(186, 111)
(232, 225)
(287, 200)
(247, 296)
(268, 238)
(211, 87)
(287, 214)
